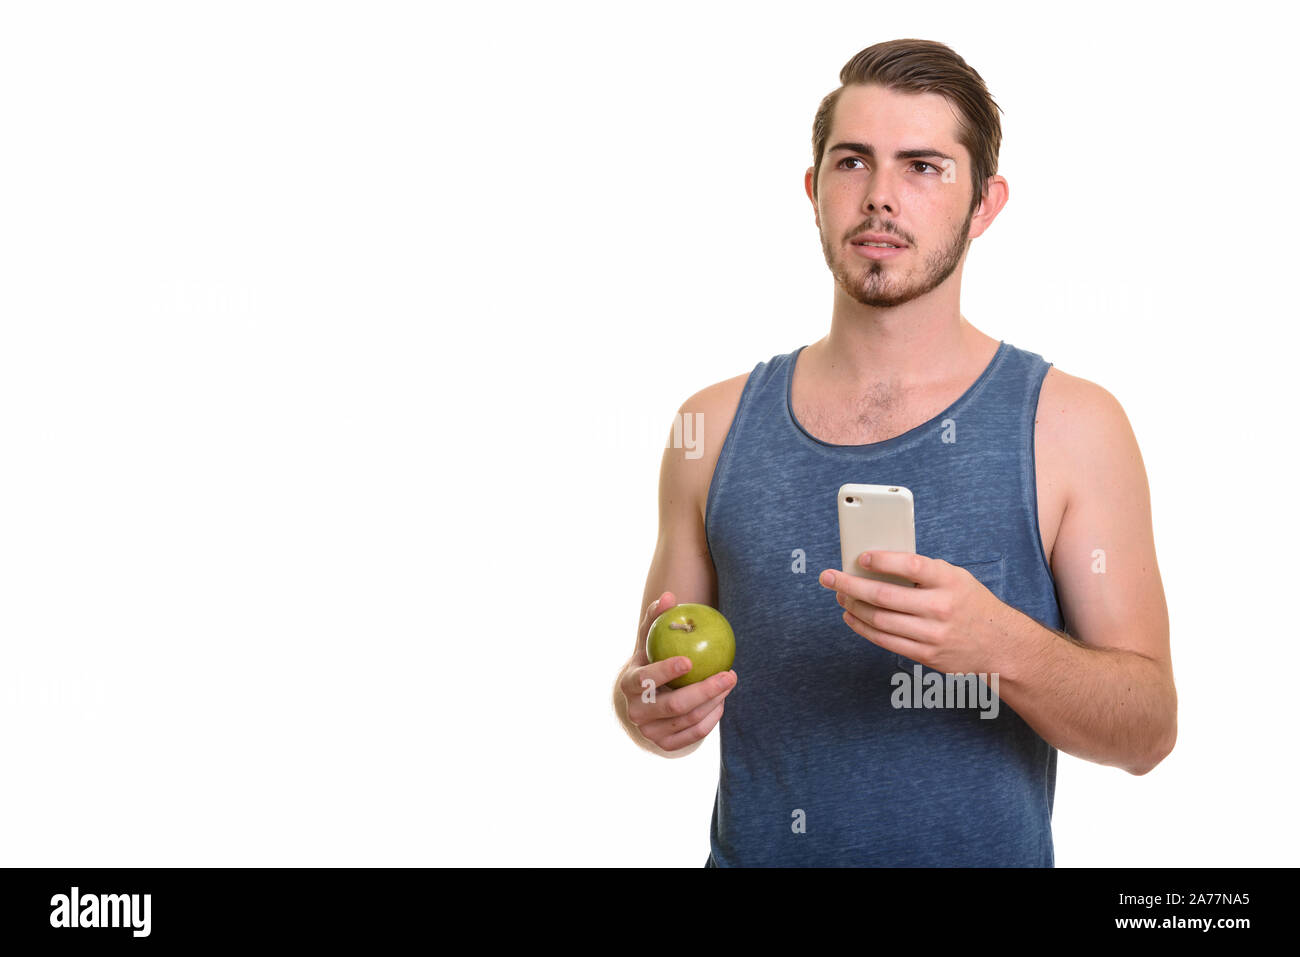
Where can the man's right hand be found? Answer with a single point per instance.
(670, 718)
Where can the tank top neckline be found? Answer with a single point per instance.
(902, 440)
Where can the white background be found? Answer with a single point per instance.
(339, 341)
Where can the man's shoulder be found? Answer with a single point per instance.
(1074, 405)
(710, 412)
(1077, 420)
(714, 408)
(720, 399)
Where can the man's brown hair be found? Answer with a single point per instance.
(924, 66)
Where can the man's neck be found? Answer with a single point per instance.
(908, 352)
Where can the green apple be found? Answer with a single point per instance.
(697, 631)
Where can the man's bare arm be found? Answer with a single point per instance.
(1104, 691)
(681, 571)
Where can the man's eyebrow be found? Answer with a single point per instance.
(866, 150)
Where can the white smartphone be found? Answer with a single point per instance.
(875, 518)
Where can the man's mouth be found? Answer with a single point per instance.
(877, 247)
(877, 241)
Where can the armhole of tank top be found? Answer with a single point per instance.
(1030, 483)
(721, 464)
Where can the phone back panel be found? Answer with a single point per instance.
(875, 518)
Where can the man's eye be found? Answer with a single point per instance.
(854, 159)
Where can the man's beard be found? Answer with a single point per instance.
(880, 283)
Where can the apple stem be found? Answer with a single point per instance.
(687, 625)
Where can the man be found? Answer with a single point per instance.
(1032, 510)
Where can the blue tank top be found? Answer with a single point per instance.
(818, 767)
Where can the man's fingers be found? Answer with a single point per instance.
(660, 672)
(691, 735)
(665, 727)
(679, 702)
(654, 610)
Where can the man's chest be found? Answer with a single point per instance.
(885, 416)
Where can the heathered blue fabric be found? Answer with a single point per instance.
(810, 726)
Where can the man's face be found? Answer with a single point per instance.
(904, 198)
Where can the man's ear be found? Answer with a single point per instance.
(808, 188)
(996, 195)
